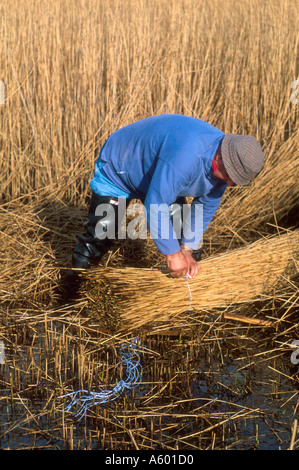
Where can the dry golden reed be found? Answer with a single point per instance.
(250, 273)
(75, 71)
(81, 69)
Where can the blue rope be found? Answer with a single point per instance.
(131, 359)
(84, 398)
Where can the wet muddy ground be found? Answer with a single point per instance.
(224, 385)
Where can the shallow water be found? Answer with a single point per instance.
(193, 394)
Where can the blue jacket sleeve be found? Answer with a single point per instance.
(165, 185)
(202, 212)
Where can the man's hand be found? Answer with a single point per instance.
(193, 266)
(182, 263)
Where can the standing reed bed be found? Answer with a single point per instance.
(80, 70)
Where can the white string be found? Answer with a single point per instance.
(185, 279)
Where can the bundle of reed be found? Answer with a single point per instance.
(143, 296)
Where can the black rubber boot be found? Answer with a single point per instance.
(90, 248)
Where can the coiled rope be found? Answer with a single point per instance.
(130, 358)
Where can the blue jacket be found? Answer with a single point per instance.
(158, 160)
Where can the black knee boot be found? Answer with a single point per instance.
(93, 244)
(90, 249)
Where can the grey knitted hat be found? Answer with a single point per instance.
(242, 157)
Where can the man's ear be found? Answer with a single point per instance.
(218, 156)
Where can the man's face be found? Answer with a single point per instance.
(218, 170)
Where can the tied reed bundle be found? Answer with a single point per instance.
(142, 296)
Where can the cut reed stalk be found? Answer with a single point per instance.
(254, 272)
